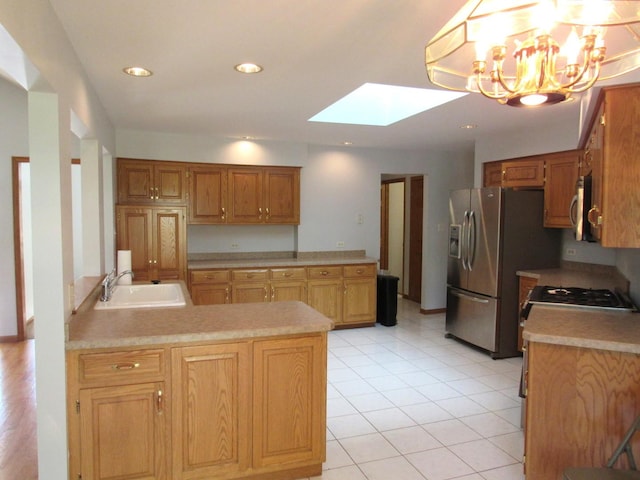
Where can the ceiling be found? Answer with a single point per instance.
(313, 53)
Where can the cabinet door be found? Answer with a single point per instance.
(289, 402)
(594, 158)
(207, 195)
(282, 195)
(245, 195)
(525, 285)
(123, 433)
(211, 411)
(523, 173)
(289, 291)
(134, 232)
(359, 300)
(561, 171)
(492, 176)
(170, 246)
(326, 296)
(211, 294)
(135, 181)
(250, 292)
(169, 183)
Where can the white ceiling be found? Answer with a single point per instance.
(313, 53)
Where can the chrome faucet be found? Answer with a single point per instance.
(110, 281)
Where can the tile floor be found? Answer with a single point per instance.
(405, 403)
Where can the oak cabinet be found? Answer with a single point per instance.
(359, 293)
(615, 211)
(580, 401)
(156, 237)
(118, 415)
(264, 195)
(492, 174)
(523, 173)
(326, 291)
(561, 174)
(210, 287)
(211, 410)
(207, 194)
(288, 284)
(151, 182)
(250, 286)
(289, 402)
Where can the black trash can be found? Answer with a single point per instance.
(387, 300)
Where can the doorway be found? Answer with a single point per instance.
(401, 211)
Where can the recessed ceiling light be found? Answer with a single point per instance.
(469, 126)
(248, 68)
(137, 71)
(381, 105)
(347, 143)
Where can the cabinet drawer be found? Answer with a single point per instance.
(324, 272)
(115, 366)
(288, 273)
(210, 276)
(249, 275)
(359, 270)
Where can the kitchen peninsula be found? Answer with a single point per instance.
(218, 391)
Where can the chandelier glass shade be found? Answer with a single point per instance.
(510, 50)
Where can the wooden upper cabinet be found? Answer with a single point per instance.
(282, 195)
(151, 182)
(207, 194)
(492, 176)
(264, 195)
(561, 173)
(523, 173)
(615, 170)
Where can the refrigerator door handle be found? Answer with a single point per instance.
(473, 298)
(463, 241)
(471, 240)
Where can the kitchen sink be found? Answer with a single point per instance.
(144, 296)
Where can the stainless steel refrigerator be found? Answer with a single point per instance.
(493, 233)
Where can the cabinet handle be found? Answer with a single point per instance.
(266, 294)
(125, 366)
(260, 213)
(268, 213)
(287, 274)
(324, 273)
(359, 271)
(226, 295)
(594, 221)
(273, 294)
(224, 213)
(159, 401)
(151, 193)
(157, 193)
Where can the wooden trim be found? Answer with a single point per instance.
(432, 311)
(17, 246)
(384, 226)
(75, 161)
(9, 339)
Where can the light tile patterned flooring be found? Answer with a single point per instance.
(405, 403)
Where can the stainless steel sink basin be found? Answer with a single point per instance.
(144, 296)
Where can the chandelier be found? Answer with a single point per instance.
(509, 50)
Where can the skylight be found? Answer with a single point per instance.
(381, 105)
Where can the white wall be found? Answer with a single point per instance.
(13, 142)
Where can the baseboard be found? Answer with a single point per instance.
(9, 339)
(432, 311)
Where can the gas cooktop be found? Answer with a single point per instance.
(580, 297)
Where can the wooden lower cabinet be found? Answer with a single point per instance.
(360, 290)
(289, 403)
(253, 408)
(580, 402)
(211, 410)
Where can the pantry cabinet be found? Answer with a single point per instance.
(611, 152)
(151, 182)
(156, 237)
(561, 174)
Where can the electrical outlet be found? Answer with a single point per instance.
(340, 244)
(360, 219)
(570, 252)
(235, 246)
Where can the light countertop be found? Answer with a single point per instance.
(276, 262)
(154, 326)
(574, 274)
(580, 327)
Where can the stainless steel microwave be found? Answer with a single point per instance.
(579, 210)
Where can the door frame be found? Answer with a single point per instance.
(18, 251)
